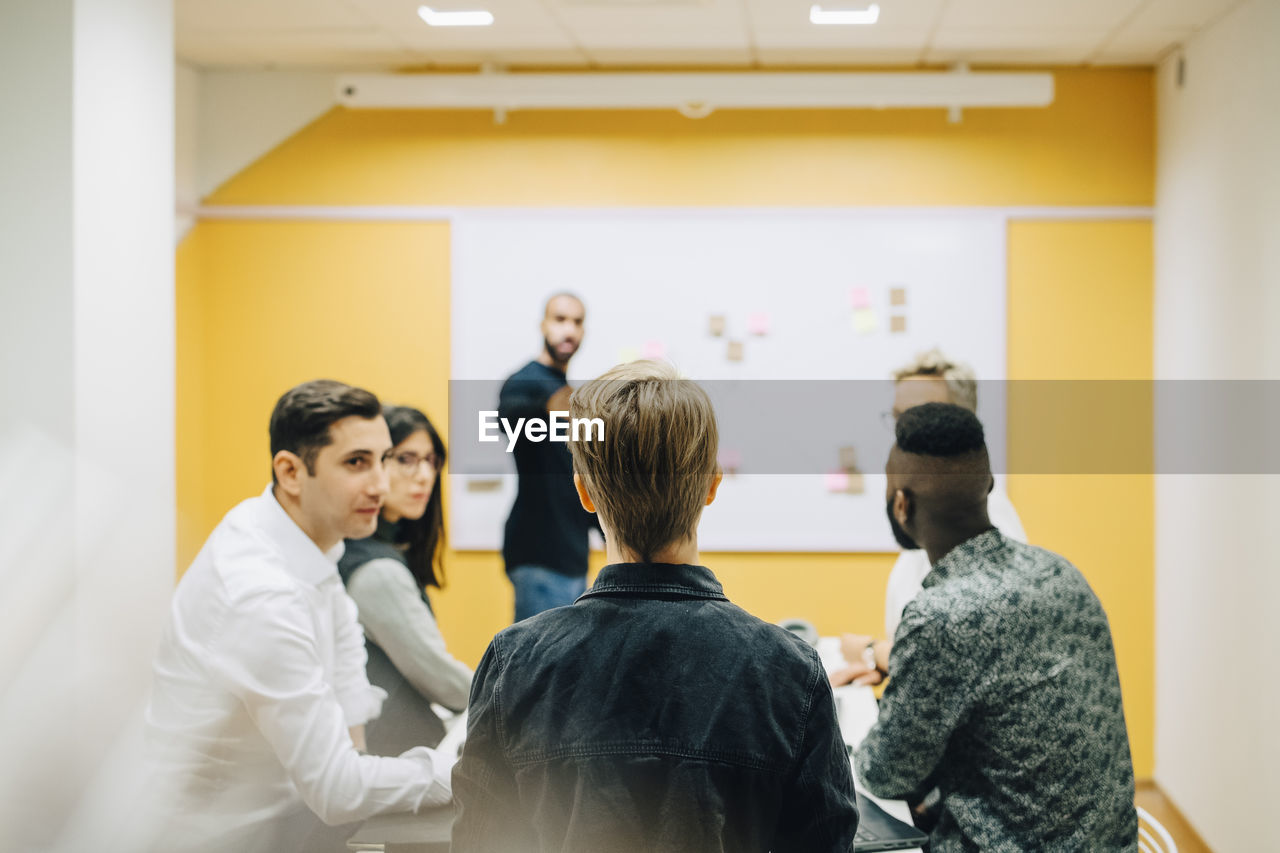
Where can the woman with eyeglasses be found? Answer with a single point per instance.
(387, 576)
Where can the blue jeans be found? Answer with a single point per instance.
(539, 589)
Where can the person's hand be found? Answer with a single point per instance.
(856, 673)
(852, 646)
(559, 401)
(856, 669)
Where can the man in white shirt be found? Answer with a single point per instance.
(931, 378)
(256, 720)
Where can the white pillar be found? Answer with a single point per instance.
(86, 389)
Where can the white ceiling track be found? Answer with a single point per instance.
(698, 94)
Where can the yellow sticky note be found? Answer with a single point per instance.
(897, 325)
(864, 321)
(734, 352)
(626, 355)
(715, 325)
(897, 296)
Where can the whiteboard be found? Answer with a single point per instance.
(806, 293)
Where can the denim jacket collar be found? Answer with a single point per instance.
(645, 579)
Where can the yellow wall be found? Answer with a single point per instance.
(262, 306)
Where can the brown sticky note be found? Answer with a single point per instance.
(715, 325)
(848, 459)
(490, 485)
(735, 351)
(897, 296)
(897, 325)
(855, 485)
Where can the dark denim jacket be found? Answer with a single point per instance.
(652, 715)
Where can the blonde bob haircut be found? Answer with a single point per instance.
(960, 380)
(650, 477)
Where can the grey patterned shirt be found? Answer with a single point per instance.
(1004, 696)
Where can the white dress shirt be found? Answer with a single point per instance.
(913, 566)
(260, 672)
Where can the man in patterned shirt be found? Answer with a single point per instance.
(1003, 692)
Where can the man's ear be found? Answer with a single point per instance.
(715, 487)
(902, 506)
(289, 470)
(991, 487)
(583, 497)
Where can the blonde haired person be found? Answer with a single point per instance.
(931, 377)
(652, 714)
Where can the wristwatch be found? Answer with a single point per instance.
(869, 655)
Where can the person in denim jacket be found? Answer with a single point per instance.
(652, 714)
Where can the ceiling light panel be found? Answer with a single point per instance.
(784, 16)
(838, 17)
(518, 25)
(783, 28)
(433, 17)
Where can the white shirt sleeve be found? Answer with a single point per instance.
(905, 580)
(1002, 514)
(396, 618)
(267, 656)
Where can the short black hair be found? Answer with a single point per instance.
(939, 429)
(301, 419)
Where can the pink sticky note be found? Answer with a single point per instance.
(758, 324)
(837, 481)
(654, 350)
(860, 297)
(730, 460)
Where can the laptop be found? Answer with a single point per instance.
(879, 830)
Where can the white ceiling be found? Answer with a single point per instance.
(386, 34)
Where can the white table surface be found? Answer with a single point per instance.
(856, 711)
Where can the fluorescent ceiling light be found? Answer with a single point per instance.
(869, 15)
(434, 18)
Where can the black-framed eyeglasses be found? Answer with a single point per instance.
(409, 461)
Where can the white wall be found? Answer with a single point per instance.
(186, 146)
(1217, 316)
(241, 115)
(226, 120)
(86, 429)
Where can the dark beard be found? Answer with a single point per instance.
(899, 534)
(553, 355)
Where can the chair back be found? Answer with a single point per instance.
(1152, 836)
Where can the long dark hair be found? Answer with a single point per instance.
(425, 536)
